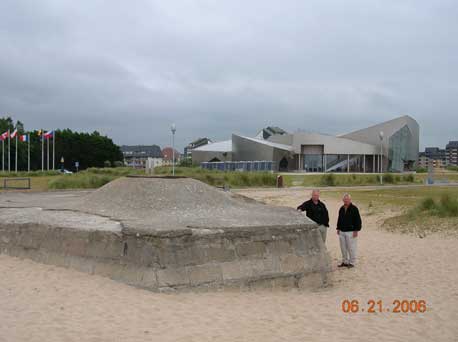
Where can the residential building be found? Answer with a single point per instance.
(434, 155)
(167, 154)
(452, 153)
(137, 155)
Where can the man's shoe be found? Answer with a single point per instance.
(343, 265)
(350, 265)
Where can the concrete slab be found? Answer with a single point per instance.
(163, 234)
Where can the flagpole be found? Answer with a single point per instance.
(15, 159)
(53, 150)
(47, 153)
(42, 151)
(3, 155)
(28, 153)
(9, 151)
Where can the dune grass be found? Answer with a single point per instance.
(81, 180)
(415, 210)
(233, 179)
(96, 177)
(446, 206)
(91, 178)
(352, 179)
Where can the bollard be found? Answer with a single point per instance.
(279, 181)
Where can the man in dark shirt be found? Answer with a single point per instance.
(348, 226)
(316, 211)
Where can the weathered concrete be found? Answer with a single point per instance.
(164, 234)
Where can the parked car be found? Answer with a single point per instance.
(65, 172)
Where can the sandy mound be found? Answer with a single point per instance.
(165, 203)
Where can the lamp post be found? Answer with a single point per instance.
(381, 157)
(173, 129)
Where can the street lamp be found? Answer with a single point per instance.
(173, 129)
(381, 157)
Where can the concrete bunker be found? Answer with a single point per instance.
(168, 233)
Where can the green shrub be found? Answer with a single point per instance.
(388, 178)
(427, 204)
(209, 179)
(328, 179)
(409, 178)
(447, 206)
(452, 168)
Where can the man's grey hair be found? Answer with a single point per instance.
(346, 195)
(315, 190)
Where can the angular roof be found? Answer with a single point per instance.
(220, 146)
(268, 143)
(267, 132)
(387, 127)
(371, 135)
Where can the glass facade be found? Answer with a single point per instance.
(397, 152)
(336, 162)
(356, 163)
(312, 162)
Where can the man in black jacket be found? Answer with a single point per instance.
(348, 226)
(316, 211)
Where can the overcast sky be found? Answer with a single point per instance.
(130, 68)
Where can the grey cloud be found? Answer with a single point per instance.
(130, 69)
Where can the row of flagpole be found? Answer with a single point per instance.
(26, 138)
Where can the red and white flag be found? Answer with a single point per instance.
(13, 135)
(4, 136)
(48, 134)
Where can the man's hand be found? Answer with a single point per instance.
(338, 232)
(355, 233)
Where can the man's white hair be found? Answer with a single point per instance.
(315, 191)
(346, 195)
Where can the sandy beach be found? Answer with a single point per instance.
(46, 303)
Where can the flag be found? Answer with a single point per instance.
(4, 136)
(13, 135)
(48, 134)
(24, 138)
(40, 132)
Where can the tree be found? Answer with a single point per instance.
(89, 149)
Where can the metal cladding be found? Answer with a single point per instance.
(315, 152)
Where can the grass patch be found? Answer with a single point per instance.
(352, 179)
(81, 180)
(419, 210)
(29, 174)
(233, 179)
(93, 178)
(114, 171)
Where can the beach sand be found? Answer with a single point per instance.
(46, 303)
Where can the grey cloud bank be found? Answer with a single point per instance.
(130, 69)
